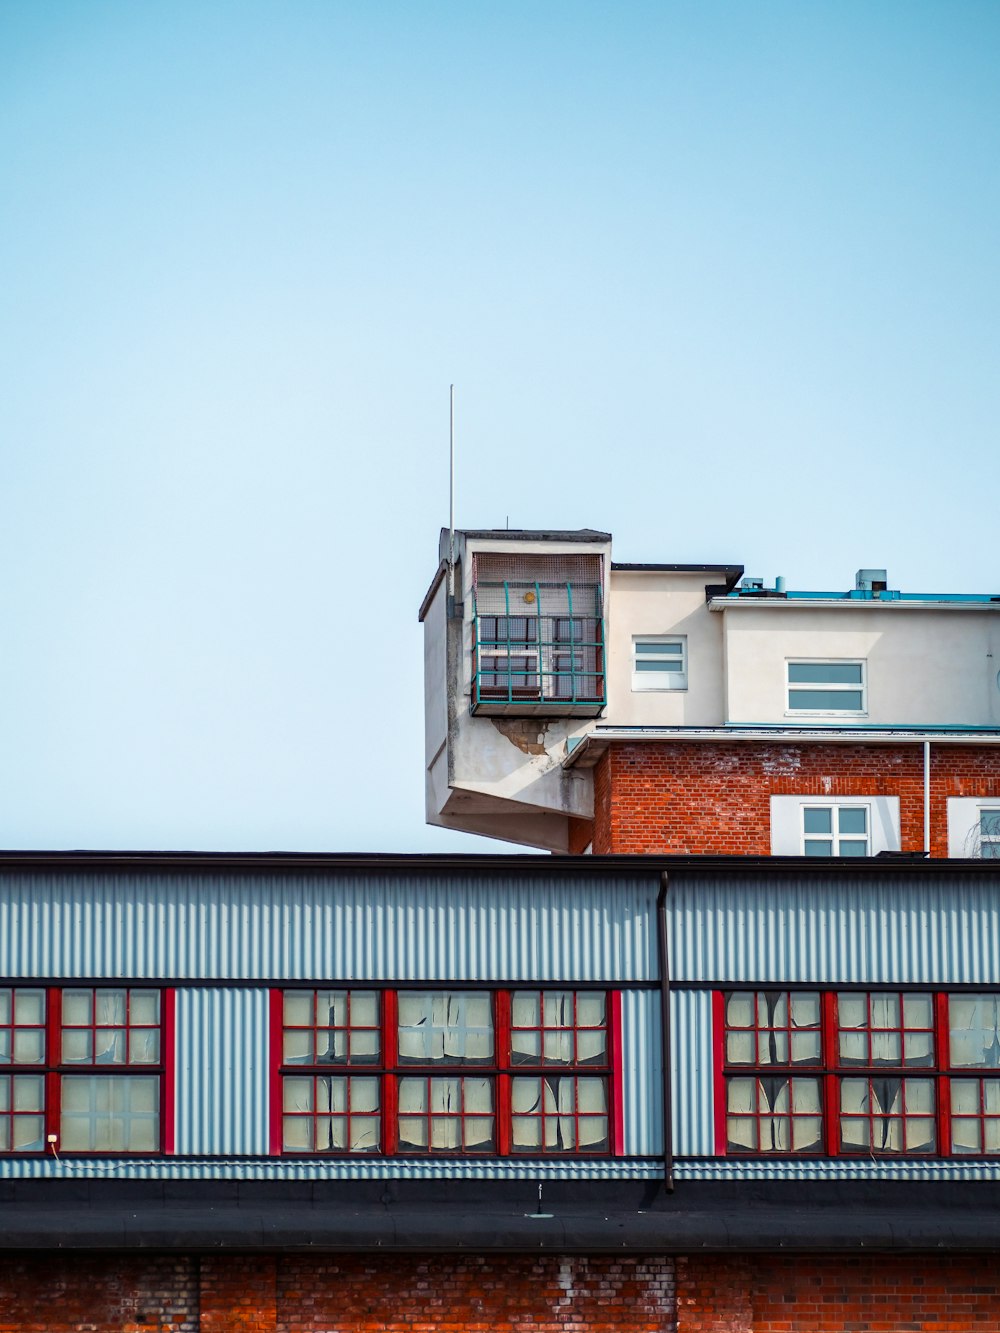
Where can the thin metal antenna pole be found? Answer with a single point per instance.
(451, 496)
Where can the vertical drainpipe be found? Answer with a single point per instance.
(927, 798)
(661, 936)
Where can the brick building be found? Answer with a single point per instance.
(575, 703)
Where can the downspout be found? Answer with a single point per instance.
(927, 798)
(661, 936)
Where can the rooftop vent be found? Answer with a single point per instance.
(871, 580)
(751, 585)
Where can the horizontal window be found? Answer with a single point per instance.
(458, 1072)
(835, 830)
(826, 687)
(659, 663)
(51, 1037)
(873, 1073)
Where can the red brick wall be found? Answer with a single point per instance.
(476, 1293)
(50, 1293)
(676, 797)
(831, 1294)
(289, 1293)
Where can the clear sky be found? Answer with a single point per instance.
(722, 279)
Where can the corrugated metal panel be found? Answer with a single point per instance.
(619, 1168)
(691, 1076)
(331, 926)
(642, 1074)
(774, 1168)
(859, 929)
(222, 1071)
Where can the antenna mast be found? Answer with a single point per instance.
(451, 497)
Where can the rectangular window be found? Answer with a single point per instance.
(880, 1073)
(659, 662)
(989, 834)
(826, 687)
(449, 1072)
(835, 830)
(52, 1042)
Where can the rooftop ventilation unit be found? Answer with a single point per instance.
(751, 585)
(871, 580)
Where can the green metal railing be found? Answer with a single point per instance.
(538, 644)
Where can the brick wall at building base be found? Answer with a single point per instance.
(65, 1293)
(872, 1293)
(336, 1294)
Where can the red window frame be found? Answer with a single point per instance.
(54, 1069)
(833, 1072)
(500, 1071)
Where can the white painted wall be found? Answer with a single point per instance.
(924, 666)
(656, 602)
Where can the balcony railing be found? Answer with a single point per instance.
(538, 648)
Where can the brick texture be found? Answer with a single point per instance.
(838, 1294)
(54, 1293)
(287, 1293)
(715, 798)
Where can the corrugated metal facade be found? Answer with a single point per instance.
(235, 932)
(253, 926)
(852, 928)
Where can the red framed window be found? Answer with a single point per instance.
(849, 1072)
(433, 1071)
(83, 1069)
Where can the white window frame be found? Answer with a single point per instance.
(992, 837)
(836, 838)
(831, 686)
(787, 821)
(674, 648)
(965, 825)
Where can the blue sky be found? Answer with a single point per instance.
(721, 279)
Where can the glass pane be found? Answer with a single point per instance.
(919, 1095)
(364, 1009)
(412, 1095)
(848, 848)
(298, 1008)
(740, 1048)
(592, 1048)
(110, 1007)
(76, 1008)
(974, 1022)
(852, 819)
(144, 1007)
(76, 1047)
(526, 1009)
(29, 1007)
(887, 1048)
(740, 1095)
(144, 1046)
(365, 1134)
(557, 1048)
(6, 1004)
(526, 1047)
(365, 1047)
(28, 1132)
(966, 1136)
(826, 700)
(590, 1007)
(814, 847)
(29, 1047)
(817, 820)
(964, 1096)
(297, 1094)
(805, 1048)
(740, 1009)
(527, 1133)
(885, 1010)
(297, 1048)
(662, 647)
(825, 673)
(663, 665)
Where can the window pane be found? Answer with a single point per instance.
(662, 647)
(663, 665)
(851, 848)
(817, 820)
(813, 847)
(29, 1008)
(852, 819)
(974, 1030)
(445, 1027)
(116, 1114)
(840, 701)
(825, 673)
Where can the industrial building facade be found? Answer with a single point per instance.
(317, 1093)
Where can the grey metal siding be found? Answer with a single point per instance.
(852, 929)
(642, 1073)
(692, 1073)
(343, 926)
(222, 1071)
